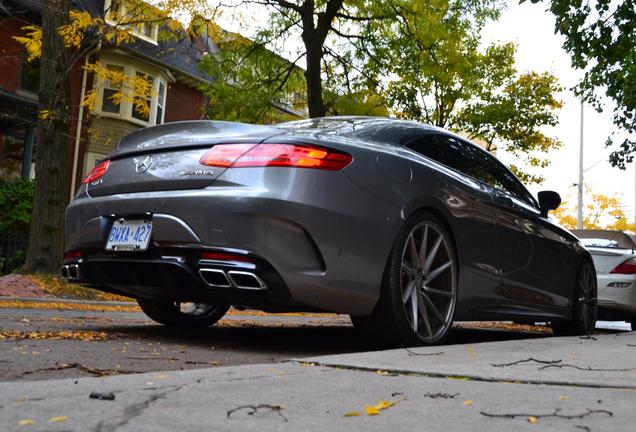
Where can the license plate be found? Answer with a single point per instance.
(129, 235)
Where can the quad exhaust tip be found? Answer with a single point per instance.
(71, 272)
(239, 279)
(246, 280)
(215, 278)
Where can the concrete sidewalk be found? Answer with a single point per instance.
(538, 384)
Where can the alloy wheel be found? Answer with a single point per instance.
(587, 299)
(194, 309)
(428, 282)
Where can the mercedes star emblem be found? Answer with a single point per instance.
(143, 164)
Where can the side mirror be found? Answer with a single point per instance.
(548, 200)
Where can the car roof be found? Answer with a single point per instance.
(378, 129)
(624, 240)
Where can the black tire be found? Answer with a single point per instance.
(413, 289)
(170, 313)
(584, 308)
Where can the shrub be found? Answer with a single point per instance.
(16, 202)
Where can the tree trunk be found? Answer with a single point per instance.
(315, 102)
(46, 240)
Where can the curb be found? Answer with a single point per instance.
(62, 300)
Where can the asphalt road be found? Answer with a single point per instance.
(44, 344)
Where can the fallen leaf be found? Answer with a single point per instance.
(563, 398)
(384, 404)
(532, 419)
(352, 414)
(468, 402)
(25, 422)
(371, 410)
(58, 419)
(161, 376)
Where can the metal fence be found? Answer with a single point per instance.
(11, 243)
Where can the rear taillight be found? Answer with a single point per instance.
(99, 170)
(626, 267)
(72, 255)
(275, 155)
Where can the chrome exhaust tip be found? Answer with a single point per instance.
(73, 272)
(215, 278)
(246, 280)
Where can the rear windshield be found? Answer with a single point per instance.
(606, 239)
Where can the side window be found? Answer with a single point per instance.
(456, 154)
(471, 161)
(506, 181)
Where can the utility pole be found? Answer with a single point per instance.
(579, 211)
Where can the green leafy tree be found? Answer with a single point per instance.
(314, 27)
(251, 83)
(439, 75)
(600, 37)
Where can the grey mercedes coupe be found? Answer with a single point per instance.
(404, 226)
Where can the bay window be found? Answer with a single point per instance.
(140, 97)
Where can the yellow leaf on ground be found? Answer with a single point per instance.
(160, 376)
(384, 404)
(563, 398)
(25, 422)
(468, 402)
(532, 419)
(58, 419)
(352, 414)
(371, 410)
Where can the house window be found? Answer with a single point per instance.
(133, 16)
(142, 95)
(140, 110)
(161, 100)
(109, 103)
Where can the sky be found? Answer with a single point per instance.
(531, 27)
(538, 48)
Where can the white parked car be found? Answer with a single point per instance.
(614, 255)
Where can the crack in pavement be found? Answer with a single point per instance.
(394, 372)
(134, 410)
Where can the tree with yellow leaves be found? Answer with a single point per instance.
(62, 42)
(602, 212)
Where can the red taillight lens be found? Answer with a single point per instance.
(225, 256)
(223, 155)
(99, 170)
(275, 155)
(72, 255)
(627, 267)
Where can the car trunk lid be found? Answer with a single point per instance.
(166, 157)
(605, 260)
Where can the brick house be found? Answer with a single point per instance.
(170, 66)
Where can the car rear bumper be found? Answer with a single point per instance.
(329, 252)
(617, 292)
(181, 274)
